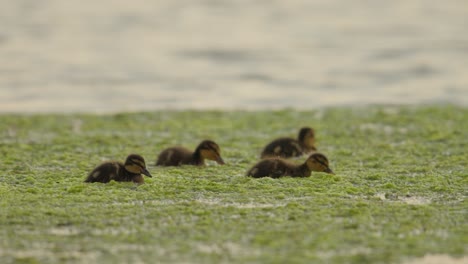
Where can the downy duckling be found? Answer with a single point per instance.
(131, 170)
(177, 156)
(290, 147)
(278, 167)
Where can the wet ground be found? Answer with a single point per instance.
(101, 56)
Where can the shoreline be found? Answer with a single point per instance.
(21, 109)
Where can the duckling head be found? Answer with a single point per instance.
(136, 164)
(307, 137)
(210, 150)
(318, 162)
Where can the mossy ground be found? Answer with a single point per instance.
(399, 191)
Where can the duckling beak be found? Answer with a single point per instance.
(146, 172)
(328, 170)
(220, 160)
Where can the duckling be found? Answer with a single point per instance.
(278, 167)
(289, 147)
(177, 156)
(131, 170)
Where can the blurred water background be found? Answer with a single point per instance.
(121, 55)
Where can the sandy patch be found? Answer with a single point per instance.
(211, 202)
(64, 231)
(438, 259)
(414, 200)
(222, 203)
(227, 247)
(350, 252)
(41, 254)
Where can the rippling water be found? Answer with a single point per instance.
(125, 55)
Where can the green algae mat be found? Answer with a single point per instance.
(399, 192)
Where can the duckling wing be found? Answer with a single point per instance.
(169, 157)
(281, 168)
(164, 157)
(261, 169)
(272, 167)
(283, 147)
(103, 173)
(175, 156)
(277, 173)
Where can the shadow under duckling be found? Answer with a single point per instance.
(289, 147)
(279, 167)
(177, 156)
(130, 171)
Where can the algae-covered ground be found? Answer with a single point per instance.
(399, 192)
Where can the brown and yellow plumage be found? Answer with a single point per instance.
(177, 156)
(290, 147)
(131, 170)
(279, 167)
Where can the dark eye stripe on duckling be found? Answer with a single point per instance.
(322, 160)
(138, 162)
(214, 148)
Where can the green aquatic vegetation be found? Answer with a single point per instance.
(399, 191)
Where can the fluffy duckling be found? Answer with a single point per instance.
(177, 156)
(131, 170)
(278, 167)
(290, 147)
